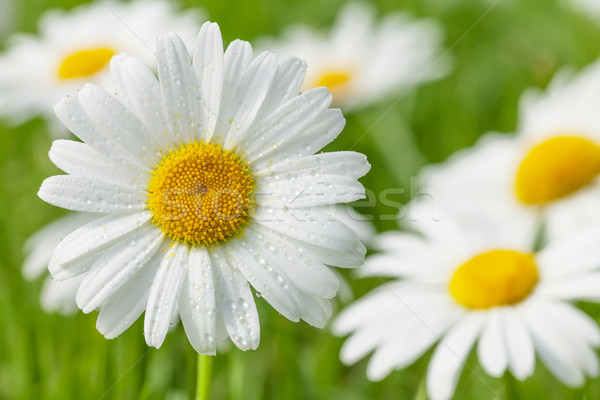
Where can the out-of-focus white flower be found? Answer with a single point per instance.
(362, 60)
(74, 47)
(210, 181)
(57, 296)
(548, 173)
(589, 7)
(458, 286)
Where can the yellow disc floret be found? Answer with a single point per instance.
(333, 79)
(494, 278)
(84, 63)
(200, 194)
(557, 168)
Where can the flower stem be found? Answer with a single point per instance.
(203, 375)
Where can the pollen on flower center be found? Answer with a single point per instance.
(494, 278)
(200, 194)
(557, 168)
(85, 62)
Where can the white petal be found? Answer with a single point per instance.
(81, 193)
(72, 255)
(286, 85)
(164, 293)
(179, 88)
(578, 287)
(519, 346)
(248, 96)
(322, 132)
(346, 163)
(76, 119)
(117, 123)
(310, 226)
(117, 265)
(285, 123)
(59, 296)
(138, 89)
(491, 347)
(76, 158)
(208, 64)
(40, 246)
(572, 319)
(235, 61)
(235, 303)
(307, 273)
(308, 191)
(126, 305)
(349, 259)
(552, 349)
(450, 355)
(197, 305)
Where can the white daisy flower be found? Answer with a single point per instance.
(549, 172)
(74, 47)
(56, 296)
(362, 60)
(210, 181)
(459, 286)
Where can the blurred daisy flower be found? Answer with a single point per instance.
(210, 181)
(362, 60)
(459, 286)
(548, 173)
(57, 296)
(74, 47)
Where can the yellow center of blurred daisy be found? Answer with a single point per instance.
(334, 79)
(85, 63)
(200, 194)
(494, 278)
(557, 168)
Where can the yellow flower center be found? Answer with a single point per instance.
(494, 278)
(85, 63)
(333, 79)
(200, 194)
(557, 168)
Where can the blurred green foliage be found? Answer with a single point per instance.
(516, 45)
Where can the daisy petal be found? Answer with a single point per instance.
(116, 266)
(286, 85)
(492, 353)
(346, 163)
(59, 296)
(519, 346)
(117, 123)
(72, 255)
(235, 303)
(552, 349)
(450, 355)
(309, 226)
(235, 61)
(208, 64)
(322, 132)
(582, 287)
(285, 123)
(179, 88)
(82, 193)
(164, 292)
(197, 305)
(71, 113)
(248, 96)
(76, 158)
(306, 191)
(138, 89)
(126, 305)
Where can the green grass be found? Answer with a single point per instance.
(519, 44)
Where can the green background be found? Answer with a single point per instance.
(518, 44)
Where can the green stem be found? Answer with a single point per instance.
(203, 375)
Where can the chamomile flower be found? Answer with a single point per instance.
(458, 288)
(210, 181)
(362, 60)
(74, 47)
(548, 172)
(56, 296)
